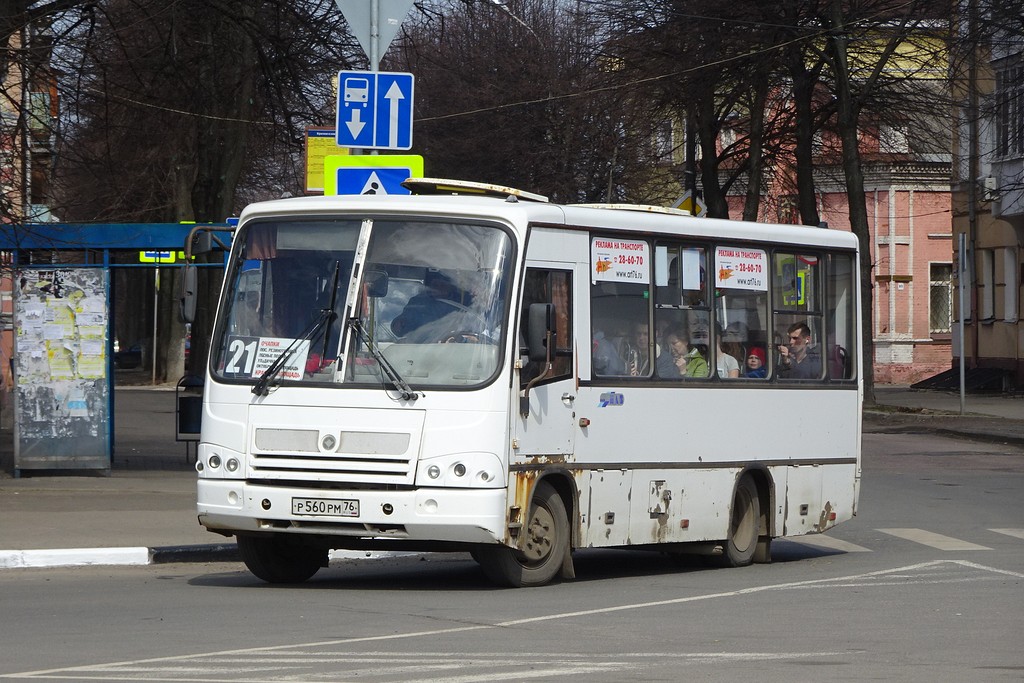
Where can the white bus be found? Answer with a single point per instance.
(519, 379)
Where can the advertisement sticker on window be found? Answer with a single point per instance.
(739, 268)
(618, 260)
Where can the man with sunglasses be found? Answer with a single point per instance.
(799, 359)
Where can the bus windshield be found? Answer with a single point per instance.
(432, 300)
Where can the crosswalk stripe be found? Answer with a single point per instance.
(1016, 533)
(937, 541)
(829, 543)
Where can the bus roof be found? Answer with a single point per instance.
(637, 219)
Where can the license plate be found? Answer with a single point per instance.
(325, 507)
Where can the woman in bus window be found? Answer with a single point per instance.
(681, 360)
(727, 365)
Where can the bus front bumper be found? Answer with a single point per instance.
(448, 515)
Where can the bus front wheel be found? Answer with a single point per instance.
(744, 525)
(544, 546)
(277, 560)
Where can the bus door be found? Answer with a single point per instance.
(544, 424)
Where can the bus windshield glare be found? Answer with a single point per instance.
(431, 302)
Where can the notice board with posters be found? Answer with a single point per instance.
(61, 377)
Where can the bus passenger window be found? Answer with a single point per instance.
(741, 310)
(619, 314)
(680, 276)
(841, 344)
(798, 315)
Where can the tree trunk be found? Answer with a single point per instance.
(707, 134)
(206, 180)
(803, 93)
(848, 112)
(755, 172)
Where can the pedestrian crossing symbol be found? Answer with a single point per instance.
(374, 185)
(379, 181)
(370, 175)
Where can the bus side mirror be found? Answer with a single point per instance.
(540, 337)
(202, 242)
(187, 296)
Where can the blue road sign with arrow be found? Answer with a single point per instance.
(374, 109)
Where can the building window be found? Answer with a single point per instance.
(987, 285)
(1009, 101)
(940, 298)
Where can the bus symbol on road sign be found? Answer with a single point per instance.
(357, 90)
(374, 109)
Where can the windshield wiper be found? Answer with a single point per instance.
(262, 386)
(405, 391)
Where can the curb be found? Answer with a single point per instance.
(108, 557)
(986, 430)
(135, 556)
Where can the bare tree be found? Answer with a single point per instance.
(167, 104)
(518, 94)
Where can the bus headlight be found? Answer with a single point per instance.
(217, 462)
(463, 470)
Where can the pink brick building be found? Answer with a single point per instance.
(910, 220)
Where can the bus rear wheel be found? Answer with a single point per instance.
(278, 560)
(744, 525)
(544, 546)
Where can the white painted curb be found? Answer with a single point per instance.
(73, 557)
(83, 557)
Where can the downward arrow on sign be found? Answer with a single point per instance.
(355, 125)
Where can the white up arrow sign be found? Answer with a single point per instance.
(393, 96)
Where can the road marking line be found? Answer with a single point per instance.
(1016, 533)
(933, 540)
(827, 542)
(63, 671)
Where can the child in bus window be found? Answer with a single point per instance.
(755, 364)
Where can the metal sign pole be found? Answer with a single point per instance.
(156, 303)
(962, 286)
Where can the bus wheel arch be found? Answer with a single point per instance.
(545, 542)
(749, 534)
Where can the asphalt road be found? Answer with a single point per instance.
(925, 585)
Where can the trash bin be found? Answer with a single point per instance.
(189, 395)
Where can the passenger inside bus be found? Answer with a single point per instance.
(681, 360)
(727, 364)
(606, 357)
(755, 364)
(637, 353)
(799, 358)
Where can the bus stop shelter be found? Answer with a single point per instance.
(57, 336)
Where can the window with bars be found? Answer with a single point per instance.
(940, 298)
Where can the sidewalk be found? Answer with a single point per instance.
(996, 418)
(145, 510)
